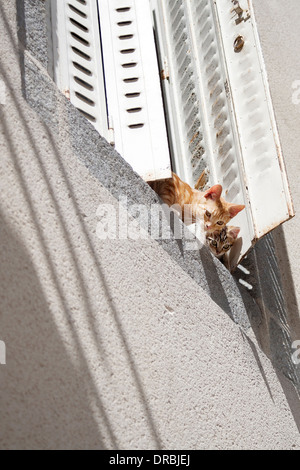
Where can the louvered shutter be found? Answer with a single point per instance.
(77, 58)
(105, 61)
(220, 112)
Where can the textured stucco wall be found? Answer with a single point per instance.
(115, 343)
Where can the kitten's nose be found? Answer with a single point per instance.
(208, 226)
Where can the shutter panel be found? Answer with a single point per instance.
(105, 62)
(133, 90)
(77, 58)
(215, 62)
(262, 160)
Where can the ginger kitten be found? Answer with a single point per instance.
(207, 207)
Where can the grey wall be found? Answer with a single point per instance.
(278, 28)
(117, 343)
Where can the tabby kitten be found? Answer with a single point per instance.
(208, 206)
(220, 241)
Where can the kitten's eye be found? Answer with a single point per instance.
(220, 222)
(214, 243)
(208, 214)
(226, 247)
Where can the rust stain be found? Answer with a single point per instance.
(238, 43)
(242, 15)
(164, 75)
(202, 180)
(194, 137)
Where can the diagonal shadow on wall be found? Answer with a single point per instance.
(50, 390)
(271, 285)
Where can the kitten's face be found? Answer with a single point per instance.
(217, 211)
(220, 241)
(215, 217)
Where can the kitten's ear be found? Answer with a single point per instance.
(214, 192)
(234, 231)
(235, 209)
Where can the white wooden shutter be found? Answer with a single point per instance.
(77, 58)
(106, 62)
(220, 112)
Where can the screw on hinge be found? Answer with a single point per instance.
(238, 43)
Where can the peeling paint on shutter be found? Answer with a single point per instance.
(218, 101)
